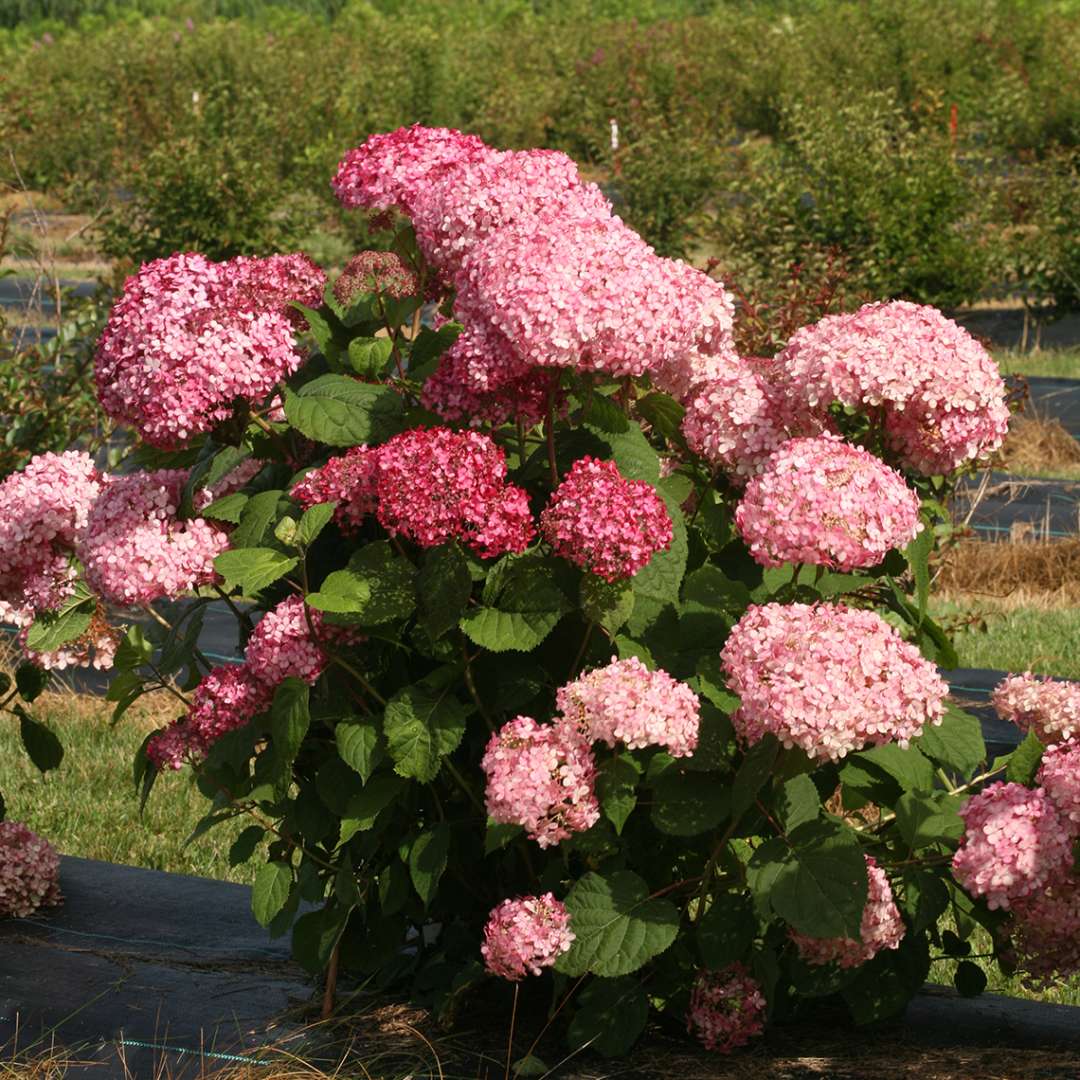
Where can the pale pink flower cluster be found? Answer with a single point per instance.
(281, 646)
(134, 547)
(1048, 707)
(881, 928)
(384, 273)
(727, 1008)
(1015, 844)
(541, 777)
(189, 337)
(626, 704)
(1046, 930)
(825, 502)
(1059, 776)
(43, 509)
(544, 274)
(604, 523)
(29, 872)
(828, 679)
(524, 936)
(938, 392)
(431, 486)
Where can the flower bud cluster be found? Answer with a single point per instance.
(526, 935)
(29, 871)
(828, 679)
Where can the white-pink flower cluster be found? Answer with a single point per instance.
(881, 928)
(822, 501)
(1015, 844)
(626, 704)
(938, 392)
(189, 337)
(727, 1008)
(29, 871)
(1059, 777)
(1048, 707)
(526, 935)
(828, 679)
(134, 547)
(541, 777)
(544, 274)
(285, 644)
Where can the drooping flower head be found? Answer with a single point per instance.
(829, 679)
(1046, 930)
(29, 872)
(135, 548)
(1015, 844)
(1048, 707)
(604, 523)
(881, 928)
(626, 704)
(436, 485)
(190, 337)
(939, 390)
(542, 777)
(229, 698)
(524, 936)
(825, 502)
(727, 1008)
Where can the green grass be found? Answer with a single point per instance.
(89, 806)
(1053, 363)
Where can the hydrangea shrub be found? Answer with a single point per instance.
(579, 647)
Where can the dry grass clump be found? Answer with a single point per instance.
(1025, 571)
(1039, 445)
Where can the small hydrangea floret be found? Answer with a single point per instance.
(526, 935)
(29, 871)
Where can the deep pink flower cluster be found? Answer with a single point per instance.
(1015, 844)
(1048, 707)
(282, 645)
(431, 486)
(604, 523)
(727, 1008)
(383, 272)
(881, 928)
(939, 392)
(829, 679)
(825, 502)
(189, 337)
(524, 936)
(1059, 777)
(545, 275)
(626, 703)
(134, 547)
(542, 777)
(1046, 930)
(29, 871)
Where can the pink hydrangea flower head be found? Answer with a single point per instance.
(189, 337)
(42, 509)
(542, 777)
(604, 523)
(825, 502)
(1015, 844)
(1048, 707)
(436, 485)
(383, 272)
(29, 872)
(626, 704)
(282, 645)
(939, 390)
(524, 936)
(828, 679)
(134, 547)
(732, 422)
(727, 1008)
(397, 169)
(1059, 777)
(350, 480)
(230, 697)
(881, 928)
(1046, 930)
